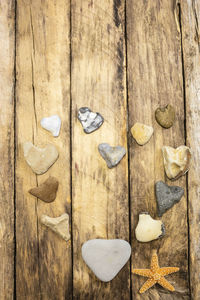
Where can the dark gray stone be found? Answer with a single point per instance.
(167, 196)
(90, 121)
(112, 155)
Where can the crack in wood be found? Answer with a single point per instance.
(185, 131)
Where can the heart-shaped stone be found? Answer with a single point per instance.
(40, 159)
(112, 155)
(52, 124)
(47, 190)
(141, 133)
(106, 257)
(176, 161)
(59, 225)
(167, 196)
(90, 121)
(165, 116)
(149, 229)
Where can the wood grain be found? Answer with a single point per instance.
(190, 20)
(163, 66)
(43, 259)
(7, 80)
(99, 194)
(155, 79)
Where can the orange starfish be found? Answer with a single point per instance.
(155, 274)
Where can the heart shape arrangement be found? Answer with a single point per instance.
(47, 190)
(106, 257)
(59, 225)
(52, 124)
(90, 121)
(167, 196)
(40, 159)
(176, 161)
(112, 155)
(165, 116)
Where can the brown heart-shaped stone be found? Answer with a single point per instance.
(165, 116)
(40, 159)
(47, 190)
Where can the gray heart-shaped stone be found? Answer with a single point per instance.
(112, 155)
(167, 196)
(90, 121)
(106, 257)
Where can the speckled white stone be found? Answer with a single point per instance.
(106, 257)
(52, 124)
(90, 121)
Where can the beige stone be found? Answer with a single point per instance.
(60, 225)
(141, 133)
(165, 116)
(149, 229)
(40, 159)
(176, 161)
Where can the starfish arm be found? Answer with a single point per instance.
(147, 285)
(154, 262)
(168, 270)
(164, 283)
(142, 272)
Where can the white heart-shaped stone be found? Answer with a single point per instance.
(106, 257)
(52, 124)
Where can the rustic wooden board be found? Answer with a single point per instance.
(7, 80)
(154, 79)
(99, 195)
(163, 66)
(43, 260)
(190, 19)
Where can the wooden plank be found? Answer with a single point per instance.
(99, 195)
(190, 20)
(155, 79)
(43, 260)
(7, 80)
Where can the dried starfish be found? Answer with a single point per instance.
(155, 274)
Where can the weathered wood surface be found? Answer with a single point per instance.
(54, 76)
(7, 80)
(190, 20)
(100, 195)
(155, 79)
(43, 260)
